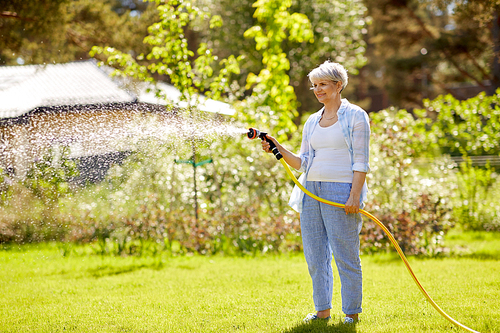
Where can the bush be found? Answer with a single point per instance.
(411, 198)
(5, 187)
(477, 203)
(149, 199)
(48, 178)
(147, 204)
(243, 197)
(469, 128)
(30, 210)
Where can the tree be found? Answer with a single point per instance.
(485, 18)
(467, 128)
(271, 87)
(62, 30)
(21, 23)
(338, 29)
(421, 49)
(35, 32)
(170, 55)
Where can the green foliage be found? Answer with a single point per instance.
(5, 188)
(338, 29)
(49, 178)
(59, 31)
(423, 200)
(226, 223)
(20, 20)
(470, 127)
(33, 212)
(291, 44)
(149, 201)
(477, 206)
(271, 87)
(170, 54)
(420, 49)
(412, 200)
(147, 204)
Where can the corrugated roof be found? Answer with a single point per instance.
(173, 95)
(24, 88)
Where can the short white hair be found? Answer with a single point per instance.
(332, 71)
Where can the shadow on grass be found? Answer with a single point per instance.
(108, 270)
(455, 253)
(322, 327)
(479, 256)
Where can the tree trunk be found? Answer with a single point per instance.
(495, 66)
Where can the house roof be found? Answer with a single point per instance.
(25, 88)
(173, 95)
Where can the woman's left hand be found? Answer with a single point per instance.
(352, 205)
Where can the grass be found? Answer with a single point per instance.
(43, 291)
(474, 244)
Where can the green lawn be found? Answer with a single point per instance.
(42, 291)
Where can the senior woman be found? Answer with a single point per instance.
(334, 160)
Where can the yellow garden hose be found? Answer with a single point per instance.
(391, 238)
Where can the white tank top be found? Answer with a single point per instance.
(331, 162)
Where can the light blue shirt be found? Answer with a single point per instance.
(355, 126)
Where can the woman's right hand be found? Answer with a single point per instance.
(289, 157)
(266, 146)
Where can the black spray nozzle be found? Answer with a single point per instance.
(254, 133)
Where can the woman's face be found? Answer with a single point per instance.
(325, 90)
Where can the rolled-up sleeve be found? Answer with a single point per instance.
(305, 145)
(361, 142)
(304, 154)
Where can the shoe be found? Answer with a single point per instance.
(349, 320)
(312, 316)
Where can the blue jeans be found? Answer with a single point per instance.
(327, 230)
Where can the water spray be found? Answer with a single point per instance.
(254, 133)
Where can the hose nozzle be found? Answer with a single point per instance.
(254, 133)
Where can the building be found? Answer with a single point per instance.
(77, 105)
